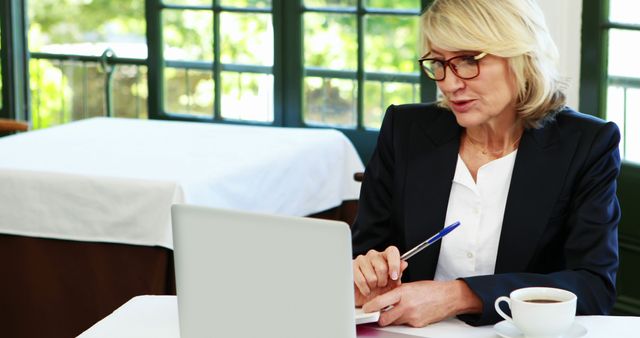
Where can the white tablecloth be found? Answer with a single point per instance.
(157, 317)
(114, 180)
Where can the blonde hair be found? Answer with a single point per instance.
(513, 29)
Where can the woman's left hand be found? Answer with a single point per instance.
(424, 302)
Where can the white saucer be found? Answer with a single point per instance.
(507, 330)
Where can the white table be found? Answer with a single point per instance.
(114, 180)
(157, 317)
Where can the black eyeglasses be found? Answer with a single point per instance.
(464, 66)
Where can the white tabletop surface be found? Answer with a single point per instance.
(114, 180)
(157, 317)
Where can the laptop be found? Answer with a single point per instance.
(242, 274)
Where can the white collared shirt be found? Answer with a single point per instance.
(472, 248)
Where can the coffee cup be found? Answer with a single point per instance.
(540, 312)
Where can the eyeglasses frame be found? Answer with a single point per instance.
(447, 63)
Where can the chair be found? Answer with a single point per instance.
(12, 126)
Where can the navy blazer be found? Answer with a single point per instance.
(561, 217)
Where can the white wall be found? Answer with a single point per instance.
(564, 19)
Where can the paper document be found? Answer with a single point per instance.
(366, 317)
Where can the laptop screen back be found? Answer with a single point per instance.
(242, 274)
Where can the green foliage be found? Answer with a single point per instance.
(187, 34)
(394, 4)
(189, 92)
(246, 39)
(391, 50)
(330, 41)
(246, 3)
(47, 94)
(330, 3)
(65, 91)
(91, 20)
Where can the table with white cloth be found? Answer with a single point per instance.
(85, 207)
(157, 317)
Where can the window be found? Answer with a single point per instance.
(93, 65)
(621, 95)
(623, 92)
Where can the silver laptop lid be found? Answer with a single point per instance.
(242, 274)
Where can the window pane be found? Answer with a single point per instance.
(62, 90)
(391, 50)
(330, 41)
(379, 95)
(96, 25)
(330, 3)
(330, 101)
(623, 60)
(65, 91)
(187, 35)
(46, 93)
(247, 96)
(394, 4)
(615, 110)
(624, 11)
(623, 103)
(189, 91)
(130, 92)
(246, 3)
(188, 2)
(624, 87)
(632, 126)
(246, 39)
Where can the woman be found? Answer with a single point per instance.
(531, 181)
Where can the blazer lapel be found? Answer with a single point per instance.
(432, 157)
(541, 164)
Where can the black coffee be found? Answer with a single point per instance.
(542, 301)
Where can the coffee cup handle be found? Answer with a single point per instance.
(499, 310)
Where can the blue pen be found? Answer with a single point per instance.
(429, 241)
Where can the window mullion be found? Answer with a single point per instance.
(360, 71)
(217, 66)
(289, 62)
(155, 59)
(428, 90)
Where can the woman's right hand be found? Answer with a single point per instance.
(376, 273)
